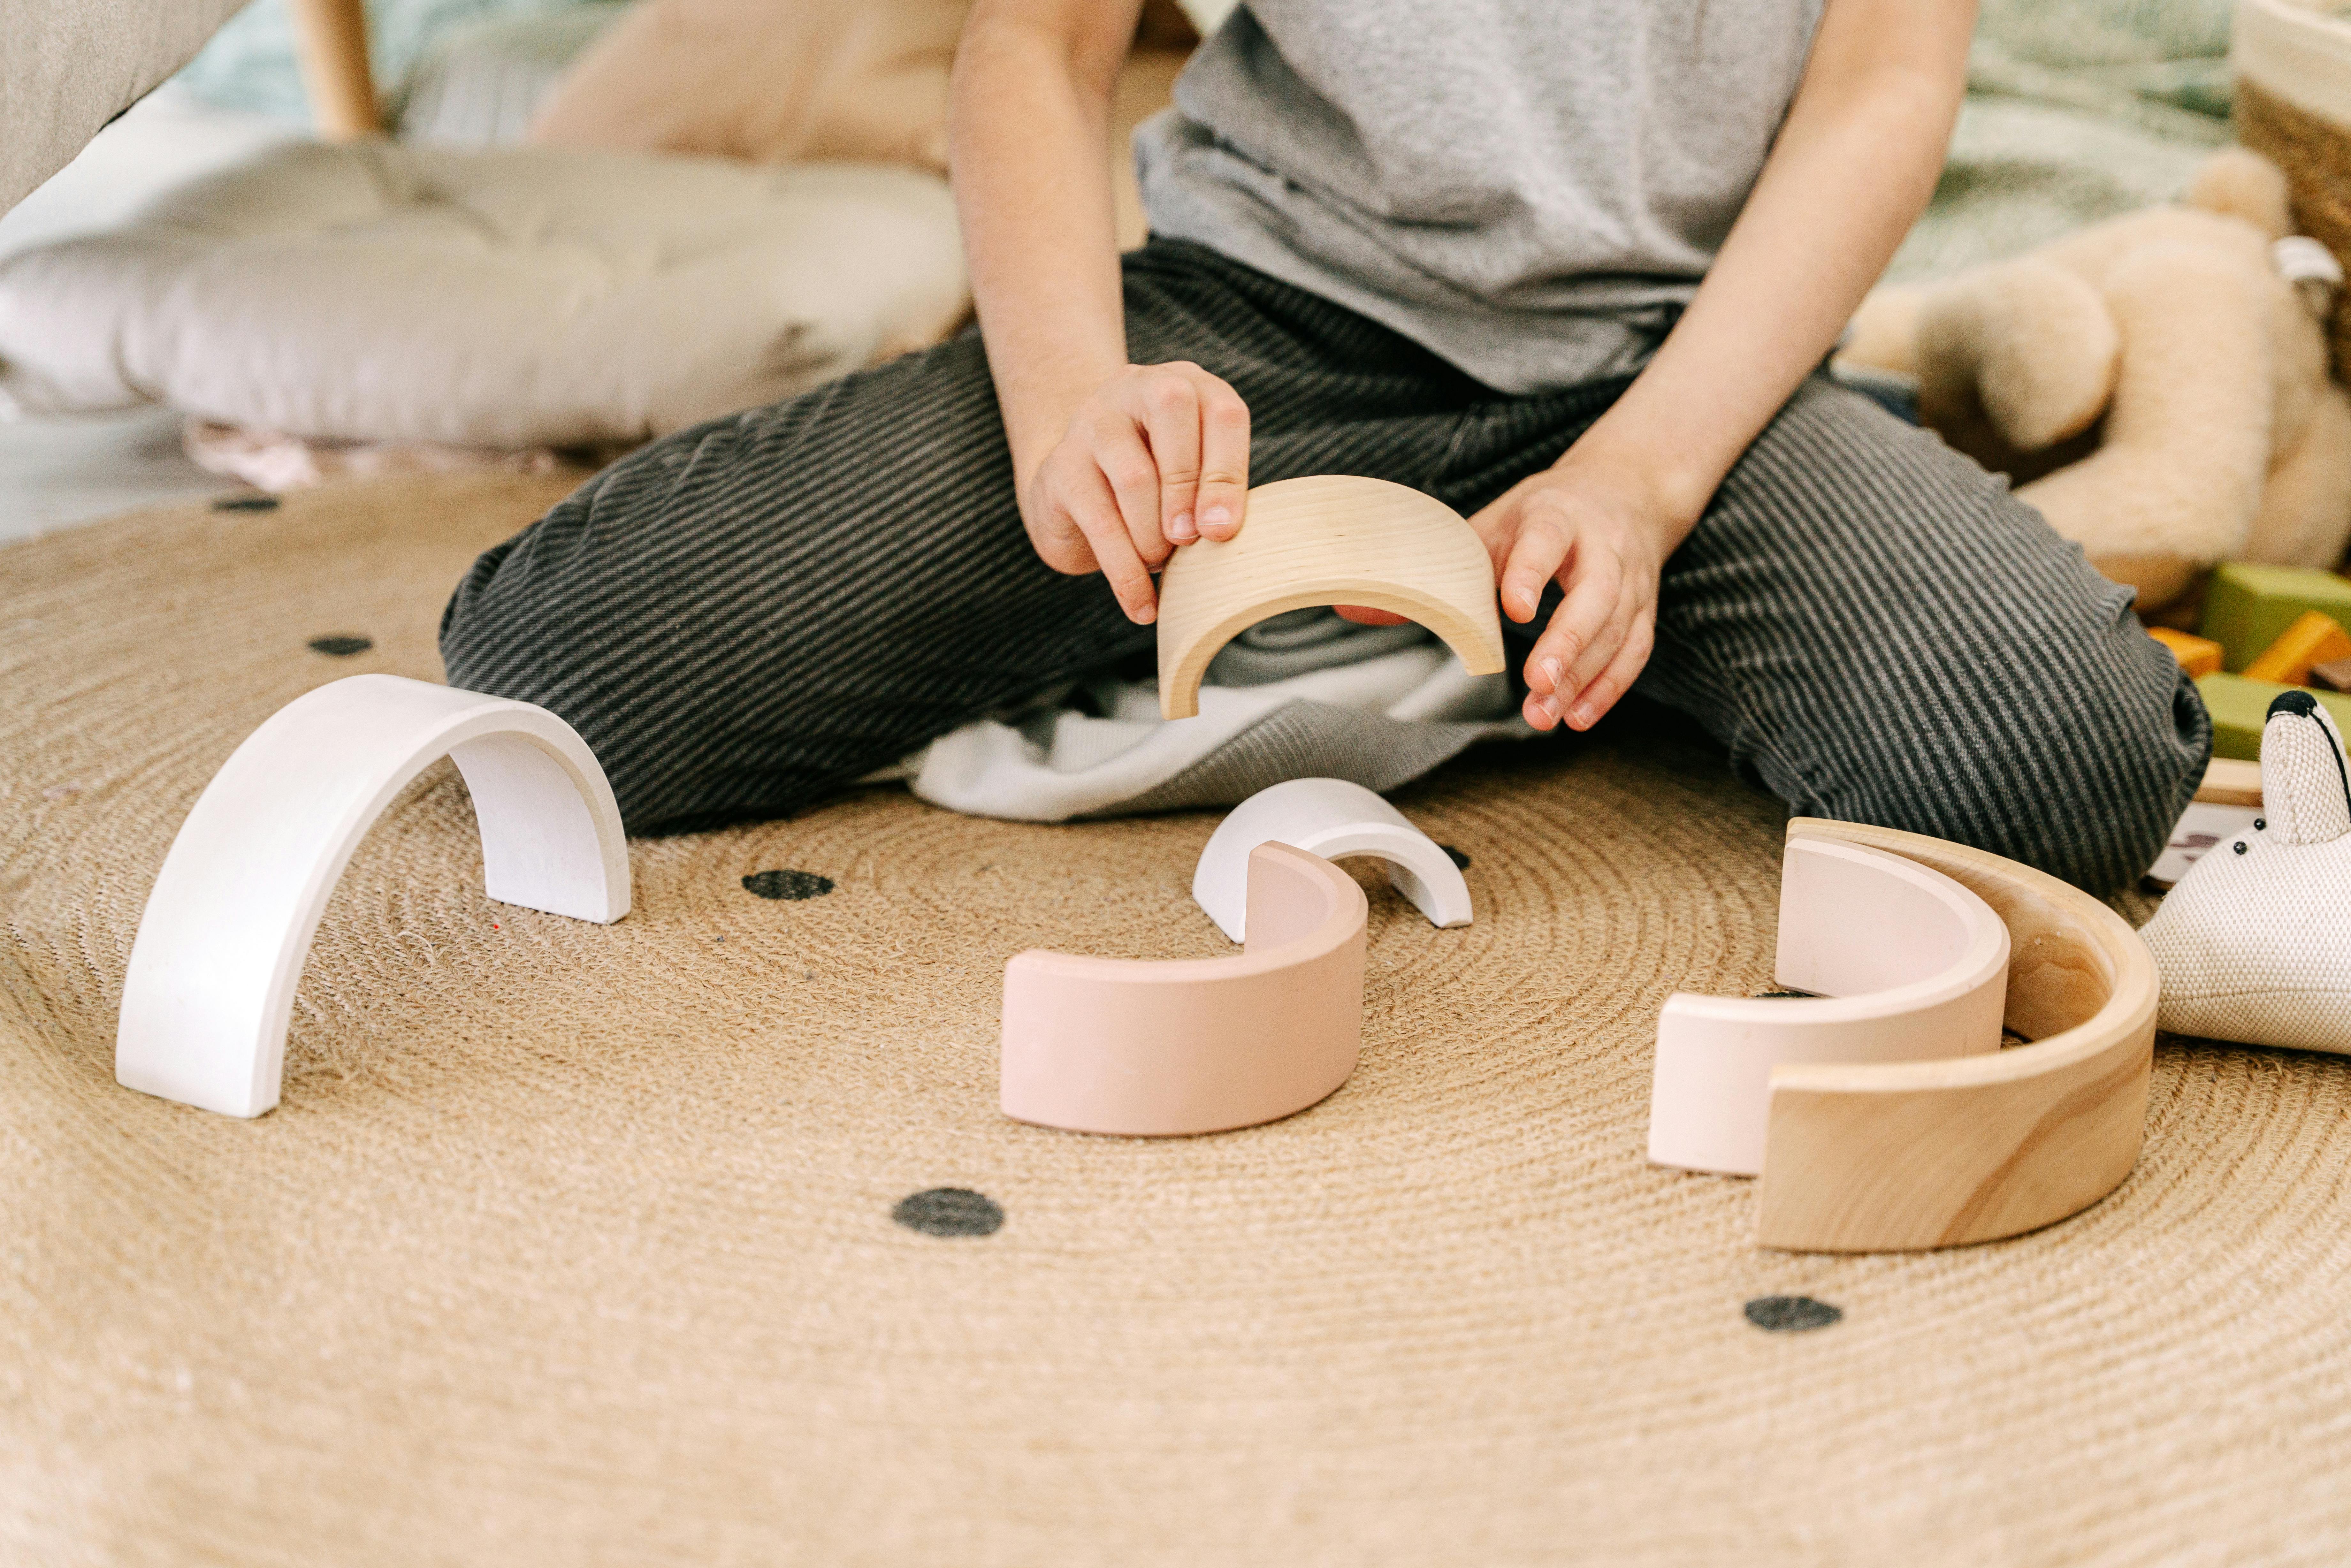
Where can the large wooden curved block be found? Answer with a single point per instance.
(1196, 1045)
(1903, 962)
(1329, 540)
(1935, 1153)
(211, 983)
(1337, 820)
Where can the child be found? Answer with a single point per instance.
(1572, 269)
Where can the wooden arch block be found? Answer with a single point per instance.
(210, 989)
(1196, 1045)
(1328, 539)
(1880, 1157)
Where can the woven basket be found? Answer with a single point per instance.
(2292, 60)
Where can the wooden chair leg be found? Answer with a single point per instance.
(331, 36)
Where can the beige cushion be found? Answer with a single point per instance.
(69, 67)
(522, 297)
(768, 81)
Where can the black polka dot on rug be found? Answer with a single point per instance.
(1790, 1314)
(950, 1211)
(342, 647)
(787, 884)
(1456, 856)
(245, 503)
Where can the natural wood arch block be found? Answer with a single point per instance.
(1937, 1154)
(2231, 781)
(1330, 539)
(1196, 1045)
(1903, 963)
(211, 983)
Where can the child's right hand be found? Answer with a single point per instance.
(1156, 456)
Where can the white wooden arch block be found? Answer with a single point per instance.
(1332, 538)
(1196, 1045)
(1335, 819)
(1904, 964)
(210, 989)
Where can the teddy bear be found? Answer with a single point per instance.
(2153, 384)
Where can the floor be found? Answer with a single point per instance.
(56, 472)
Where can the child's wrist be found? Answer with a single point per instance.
(1669, 491)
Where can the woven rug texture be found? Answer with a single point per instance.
(573, 1244)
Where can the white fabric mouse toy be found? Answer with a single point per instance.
(2254, 943)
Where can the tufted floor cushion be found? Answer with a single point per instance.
(522, 297)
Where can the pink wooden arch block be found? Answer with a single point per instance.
(1905, 964)
(1196, 1045)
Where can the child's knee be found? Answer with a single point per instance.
(2123, 762)
(2077, 755)
(485, 627)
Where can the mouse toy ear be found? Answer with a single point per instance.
(2306, 788)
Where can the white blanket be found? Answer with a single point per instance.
(1302, 695)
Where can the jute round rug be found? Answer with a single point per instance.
(604, 1245)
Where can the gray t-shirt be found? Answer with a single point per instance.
(1528, 187)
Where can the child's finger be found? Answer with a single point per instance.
(1168, 407)
(1495, 524)
(1133, 479)
(1586, 667)
(1224, 458)
(1601, 694)
(1535, 557)
(1593, 591)
(1095, 512)
(1060, 543)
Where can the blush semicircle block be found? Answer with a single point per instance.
(1158, 1049)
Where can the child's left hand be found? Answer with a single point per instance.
(1593, 527)
(1602, 534)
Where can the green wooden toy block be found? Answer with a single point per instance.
(2240, 707)
(2247, 606)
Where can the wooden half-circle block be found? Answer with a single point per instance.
(1863, 1158)
(1903, 964)
(209, 988)
(2231, 781)
(1329, 540)
(1196, 1045)
(1335, 819)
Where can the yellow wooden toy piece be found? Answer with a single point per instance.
(1330, 539)
(2231, 781)
(2196, 655)
(2313, 638)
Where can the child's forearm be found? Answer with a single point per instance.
(1854, 166)
(1029, 120)
(1113, 464)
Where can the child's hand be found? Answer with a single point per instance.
(1156, 457)
(1593, 527)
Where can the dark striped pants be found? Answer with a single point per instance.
(746, 616)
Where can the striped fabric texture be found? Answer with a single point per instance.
(748, 614)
